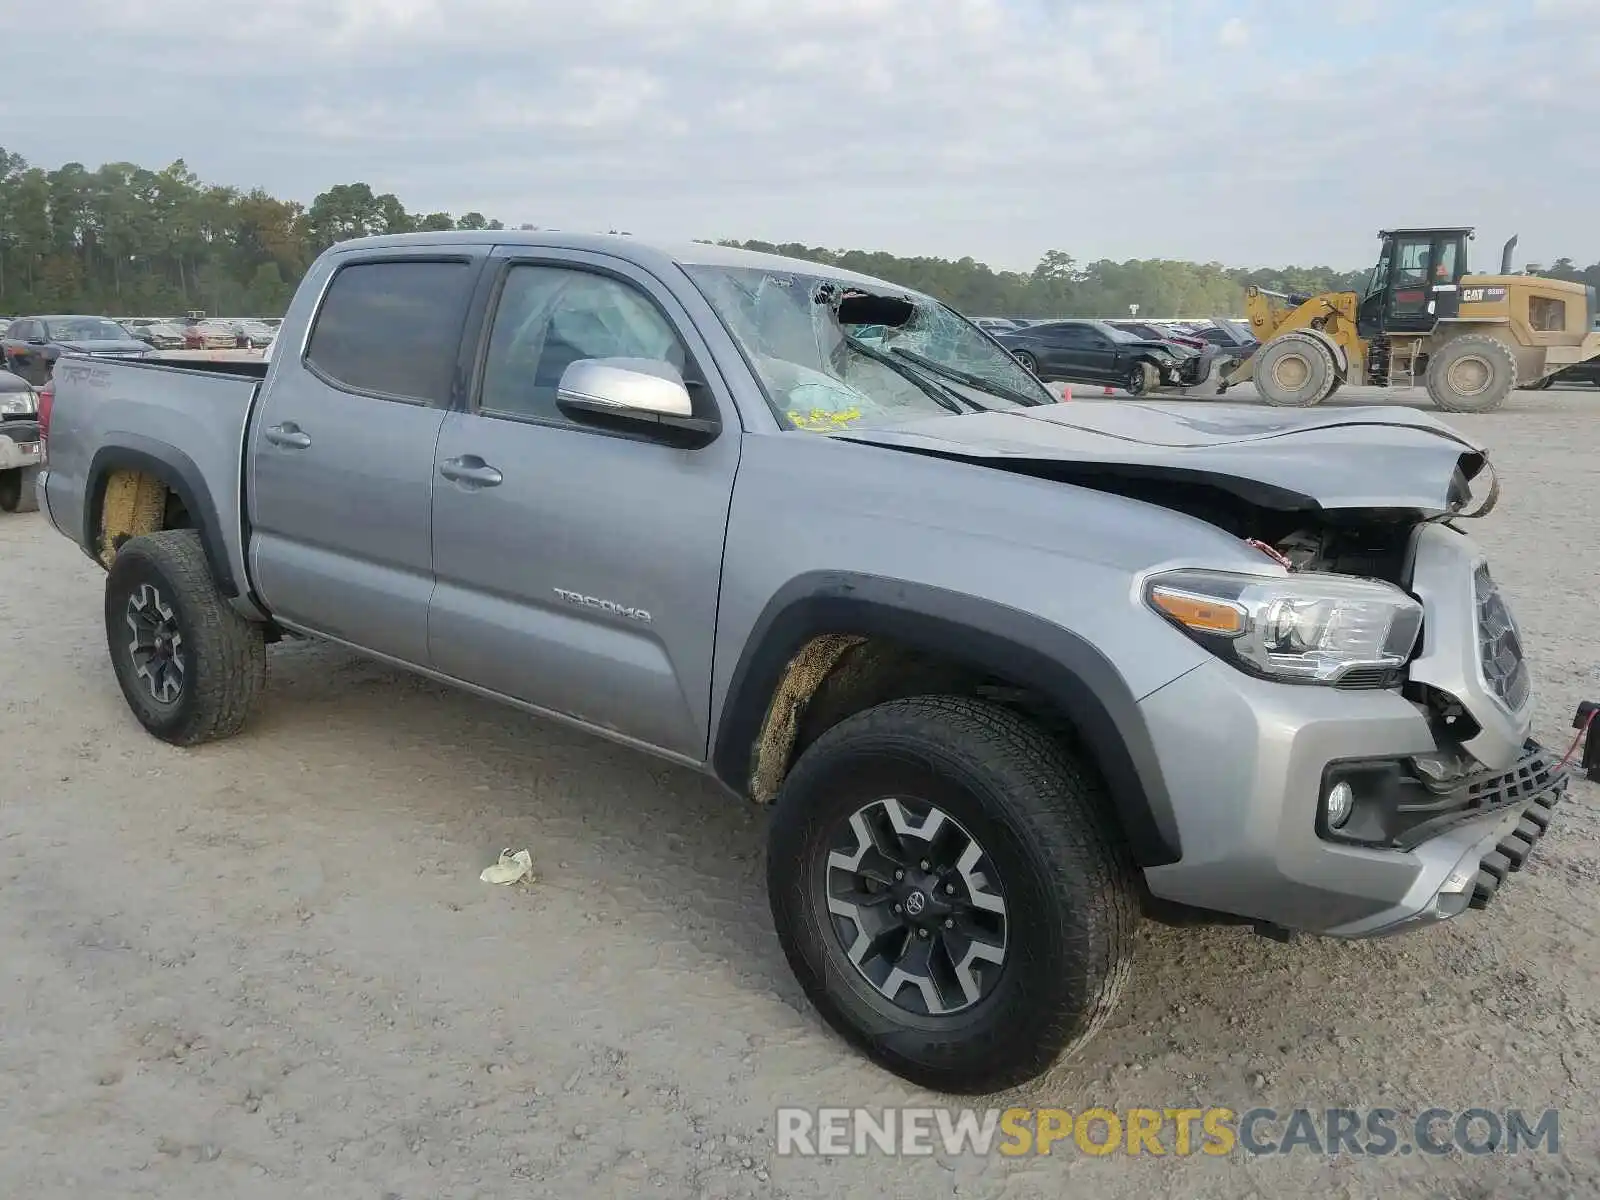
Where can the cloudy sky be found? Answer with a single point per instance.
(1247, 131)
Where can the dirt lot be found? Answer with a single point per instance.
(268, 967)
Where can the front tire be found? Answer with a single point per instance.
(1142, 379)
(190, 667)
(1021, 938)
(1471, 374)
(17, 494)
(1295, 371)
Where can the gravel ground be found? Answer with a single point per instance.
(268, 967)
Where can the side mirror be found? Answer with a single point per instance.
(37, 340)
(645, 394)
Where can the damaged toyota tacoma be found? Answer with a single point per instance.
(1012, 673)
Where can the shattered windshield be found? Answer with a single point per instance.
(831, 356)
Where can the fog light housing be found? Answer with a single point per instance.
(1340, 803)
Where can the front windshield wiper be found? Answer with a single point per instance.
(935, 391)
(957, 375)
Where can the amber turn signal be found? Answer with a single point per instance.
(1200, 613)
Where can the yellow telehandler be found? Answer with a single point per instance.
(1469, 339)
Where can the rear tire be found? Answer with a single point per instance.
(1027, 822)
(1471, 374)
(1028, 362)
(17, 493)
(1295, 371)
(190, 667)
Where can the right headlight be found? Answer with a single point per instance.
(1300, 628)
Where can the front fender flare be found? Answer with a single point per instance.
(1024, 649)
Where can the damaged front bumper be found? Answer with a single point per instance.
(1427, 823)
(1252, 824)
(1503, 818)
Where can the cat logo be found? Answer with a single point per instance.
(1482, 295)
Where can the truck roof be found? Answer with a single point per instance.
(644, 252)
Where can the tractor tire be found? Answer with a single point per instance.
(1473, 373)
(1538, 385)
(1142, 379)
(17, 494)
(938, 830)
(1295, 371)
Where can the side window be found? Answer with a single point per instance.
(21, 331)
(393, 328)
(1067, 335)
(1413, 267)
(1380, 277)
(549, 318)
(1445, 272)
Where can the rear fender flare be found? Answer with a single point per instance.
(1024, 649)
(132, 452)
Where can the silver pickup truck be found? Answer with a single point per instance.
(1012, 672)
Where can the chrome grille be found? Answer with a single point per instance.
(1505, 671)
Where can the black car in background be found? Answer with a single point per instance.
(1098, 352)
(31, 345)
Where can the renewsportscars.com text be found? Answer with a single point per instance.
(1173, 1132)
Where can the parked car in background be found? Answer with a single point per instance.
(995, 324)
(1231, 339)
(32, 344)
(1227, 333)
(257, 334)
(1099, 352)
(166, 335)
(210, 333)
(19, 444)
(1159, 333)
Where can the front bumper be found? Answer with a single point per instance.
(19, 444)
(1196, 369)
(1247, 762)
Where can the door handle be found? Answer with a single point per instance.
(470, 469)
(289, 436)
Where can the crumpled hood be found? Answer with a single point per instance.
(1347, 458)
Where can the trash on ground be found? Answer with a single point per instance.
(510, 868)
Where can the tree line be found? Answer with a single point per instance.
(129, 241)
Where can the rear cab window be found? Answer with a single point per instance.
(392, 328)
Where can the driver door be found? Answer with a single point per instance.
(1408, 295)
(577, 567)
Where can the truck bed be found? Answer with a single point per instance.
(126, 412)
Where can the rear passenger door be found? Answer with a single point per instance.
(341, 453)
(578, 566)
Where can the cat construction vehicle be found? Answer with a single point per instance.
(1422, 319)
